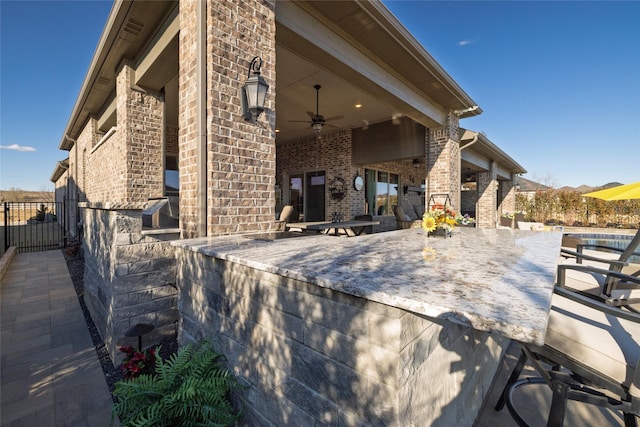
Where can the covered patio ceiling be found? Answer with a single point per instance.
(357, 51)
(361, 55)
(295, 96)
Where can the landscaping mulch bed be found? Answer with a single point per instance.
(75, 265)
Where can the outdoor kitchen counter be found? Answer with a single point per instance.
(491, 280)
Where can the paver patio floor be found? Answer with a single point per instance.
(51, 375)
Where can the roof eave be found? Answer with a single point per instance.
(108, 34)
(411, 44)
(61, 167)
(496, 152)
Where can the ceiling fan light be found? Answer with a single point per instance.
(317, 127)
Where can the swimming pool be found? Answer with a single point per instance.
(620, 241)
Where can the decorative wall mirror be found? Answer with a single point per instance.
(358, 183)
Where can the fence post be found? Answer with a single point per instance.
(6, 226)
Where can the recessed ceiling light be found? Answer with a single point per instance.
(277, 130)
(358, 105)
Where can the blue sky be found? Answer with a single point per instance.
(559, 82)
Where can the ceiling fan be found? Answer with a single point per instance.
(318, 121)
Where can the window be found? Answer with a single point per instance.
(381, 191)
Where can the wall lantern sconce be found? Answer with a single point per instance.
(254, 92)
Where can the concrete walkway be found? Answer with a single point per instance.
(50, 371)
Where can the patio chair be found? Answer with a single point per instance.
(404, 221)
(590, 354)
(596, 274)
(285, 216)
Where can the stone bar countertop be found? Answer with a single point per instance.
(492, 280)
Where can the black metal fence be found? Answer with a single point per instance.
(39, 226)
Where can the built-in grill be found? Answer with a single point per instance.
(163, 213)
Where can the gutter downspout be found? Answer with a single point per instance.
(201, 80)
(66, 217)
(473, 141)
(75, 166)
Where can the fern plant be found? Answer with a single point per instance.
(192, 388)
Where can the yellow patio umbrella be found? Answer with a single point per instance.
(621, 192)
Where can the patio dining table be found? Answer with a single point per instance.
(349, 228)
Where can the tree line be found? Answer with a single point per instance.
(573, 209)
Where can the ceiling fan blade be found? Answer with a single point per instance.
(334, 118)
(299, 121)
(329, 125)
(313, 116)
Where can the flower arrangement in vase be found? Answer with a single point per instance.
(439, 221)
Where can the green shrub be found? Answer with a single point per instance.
(192, 388)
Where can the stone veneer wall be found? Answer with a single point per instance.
(313, 356)
(129, 276)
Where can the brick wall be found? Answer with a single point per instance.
(332, 153)
(126, 167)
(188, 119)
(171, 141)
(87, 169)
(241, 155)
(487, 198)
(443, 161)
(240, 181)
(507, 197)
(313, 356)
(468, 201)
(139, 119)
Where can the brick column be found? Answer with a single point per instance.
(188, 137)
(507, 202)
(241, 155)
(487, 198)
(443, 162)
(139, 120)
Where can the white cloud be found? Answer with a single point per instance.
(465, 42)
(17, 147)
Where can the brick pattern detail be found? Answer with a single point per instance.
(127, 167)
(332, 153)
(443, 161)
(188, 119)
(241, 155)
(507, 203)
(139, 120)
(487, 198)
(91, 167)
(171, 141)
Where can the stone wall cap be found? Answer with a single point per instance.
(117, 206)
